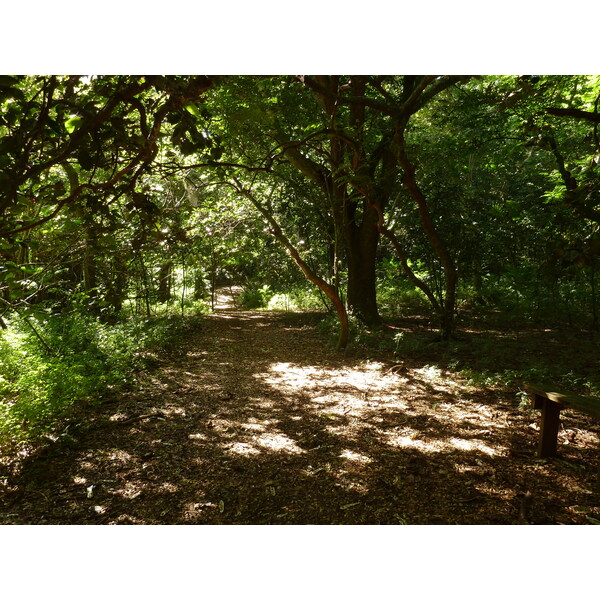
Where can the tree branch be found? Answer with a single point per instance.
(575, 113)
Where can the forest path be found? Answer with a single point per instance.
(256, 420)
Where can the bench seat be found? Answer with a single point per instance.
(551, 401)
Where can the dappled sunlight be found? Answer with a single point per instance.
(120, 456)
(129, 490)
(278, 443)
(169, 487)
(363, 379)
(118, 416)
(247, 316)
(171, 410)
(243, 448)
(355, 457)
(268, 441)
(436, 378)
(411, 441)
(406, 438)
(257, 424)
(366, 395)
(472, 445)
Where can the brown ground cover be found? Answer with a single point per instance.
(256, 420)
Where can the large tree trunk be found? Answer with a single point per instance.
(357, 233)
(362, 238)
(361, 254)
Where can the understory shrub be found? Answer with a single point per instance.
(79, 359)
(255, 297)
(401, 298)
(296, 298)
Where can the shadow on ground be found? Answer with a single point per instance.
(256, 421)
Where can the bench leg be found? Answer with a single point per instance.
(549, 424)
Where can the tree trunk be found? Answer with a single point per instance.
(164, 281)
(199, 285)
(361, 255)
(116, 283)
(357, 236)
(329, 290)
(447, 323)
(362, 238)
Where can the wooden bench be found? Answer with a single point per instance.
(551, 401)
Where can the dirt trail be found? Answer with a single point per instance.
(256, 420)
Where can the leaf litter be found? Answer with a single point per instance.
(256, 420)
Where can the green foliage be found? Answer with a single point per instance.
(408, 344)
(256, 297)
(128, 195)
(283, 302)
(306, 298)
(89, 361)
(296, 298)
(397, 297)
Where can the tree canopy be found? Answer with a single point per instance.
(459, 188)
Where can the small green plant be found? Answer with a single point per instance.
(523, 400)
(254, 297)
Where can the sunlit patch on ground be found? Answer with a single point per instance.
(355, 457)
(194, 510)
(170, 411)
(411, 441)
(119, 456)
(278, 442)
(169, 487)
(472, 445)
(260, 423)
(118, 416)
(272, 442)
(254, 425)
(243, 448)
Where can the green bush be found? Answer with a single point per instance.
(283, 302)
(306, 299)
(80, 359)
(254, 297)
(399, 297)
